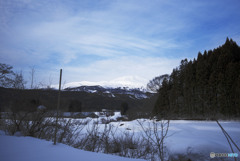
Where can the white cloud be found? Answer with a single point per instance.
(110, 69)
(137, 38)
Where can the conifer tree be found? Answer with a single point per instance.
(204, 87)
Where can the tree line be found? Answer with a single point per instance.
(207, 87)
(15, 96)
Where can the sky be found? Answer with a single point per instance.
(105, 40)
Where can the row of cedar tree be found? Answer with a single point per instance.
(208, 87)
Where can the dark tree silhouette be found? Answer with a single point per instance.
(204, 88)
(124, 108)
(6, 75)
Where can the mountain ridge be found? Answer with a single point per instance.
(123, 82)
(136, 93)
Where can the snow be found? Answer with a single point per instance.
(13, 148)
(201, 136)
(41, 107)
(191, 138)
(126, 81)
(116, 115)
(92, 91)
(186, 136)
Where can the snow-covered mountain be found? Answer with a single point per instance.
(126, 82)
(137, 93)
(133, 86)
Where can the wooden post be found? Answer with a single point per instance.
(58, 104)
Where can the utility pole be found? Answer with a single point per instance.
(58, 104)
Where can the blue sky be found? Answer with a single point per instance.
(101, 40)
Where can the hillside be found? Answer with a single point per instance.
(134, 93)
(89, 98)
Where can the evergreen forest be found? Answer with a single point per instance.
(204, 88)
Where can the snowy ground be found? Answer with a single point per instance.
(202, 136)
(196, 139)
(13, 148)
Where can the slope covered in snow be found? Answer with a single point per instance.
(127, 81)
(13, 148)
(111, 92)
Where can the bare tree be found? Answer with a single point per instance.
(18, 81)
(92, 139)
(64, 84)
(69, 130)
(155, 84)
(155, 132)
(32, 76)
(50, 80)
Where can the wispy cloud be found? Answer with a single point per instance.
(109, 69)
(103, 40)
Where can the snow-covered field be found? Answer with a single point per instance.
(199, 138)
(202, 136)
(195, 139)
(13, 148)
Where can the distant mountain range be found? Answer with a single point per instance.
(126, 81)
(132, 86)
(134, 93)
